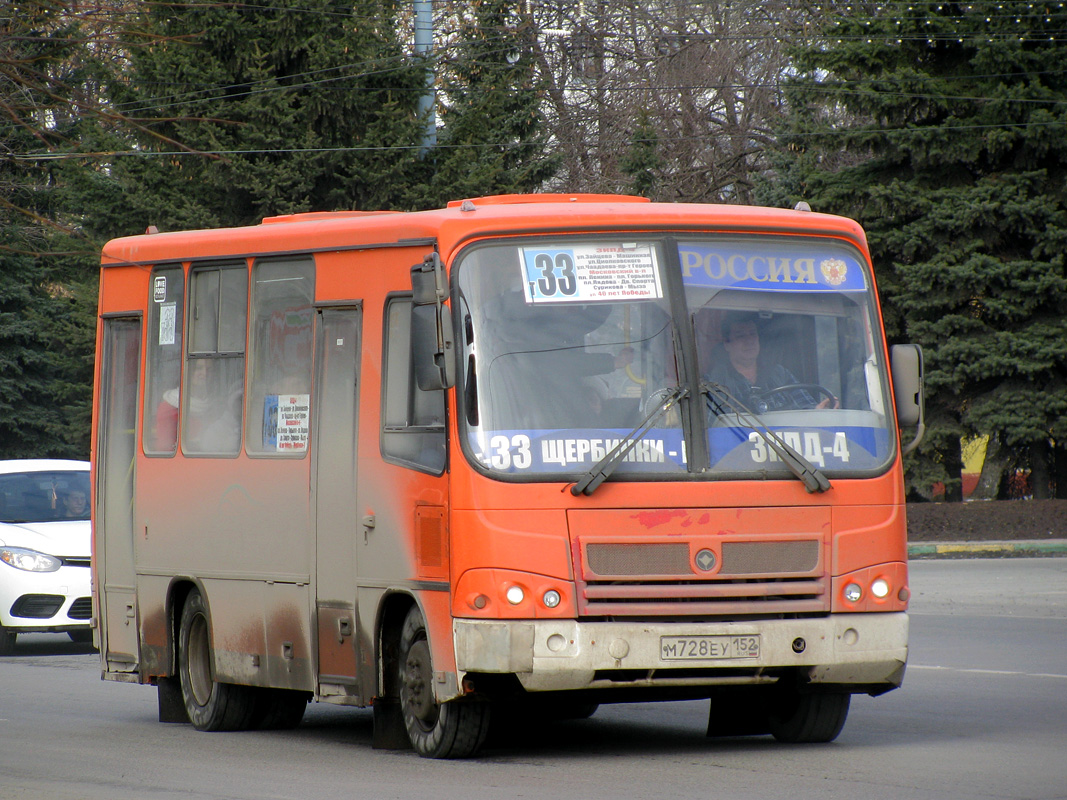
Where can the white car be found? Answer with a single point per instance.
(45, 542)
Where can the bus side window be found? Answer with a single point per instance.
(280, 357)
(164, 360)
(413, 421)
(214, 371)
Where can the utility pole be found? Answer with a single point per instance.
(424, 47)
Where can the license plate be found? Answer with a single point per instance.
(701, 648)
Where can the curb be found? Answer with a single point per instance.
(1023, 548)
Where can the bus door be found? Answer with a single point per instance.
(336, 520)
(114, 521)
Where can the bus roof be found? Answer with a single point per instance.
(463, 220)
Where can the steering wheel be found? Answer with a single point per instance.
(800, 387)
(656, 398)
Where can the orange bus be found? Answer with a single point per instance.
(522, 455)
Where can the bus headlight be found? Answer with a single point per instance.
(515, 595)
(853, 592)
(511, 594)
(880, 588)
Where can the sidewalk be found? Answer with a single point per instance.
(1022, 548)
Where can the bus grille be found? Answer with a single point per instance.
(649, 579)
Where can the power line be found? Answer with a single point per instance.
(844, 131)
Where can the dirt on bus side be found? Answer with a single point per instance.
(987, 520)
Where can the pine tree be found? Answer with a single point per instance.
(642, 160)
(941, 128)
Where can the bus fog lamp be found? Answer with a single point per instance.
(515, 595)
(551, 598)
(880, 588)
(853, 592)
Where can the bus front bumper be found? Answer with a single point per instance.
(856, 652)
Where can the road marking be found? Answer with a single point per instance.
(989, 671)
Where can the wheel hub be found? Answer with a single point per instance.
(418, 689)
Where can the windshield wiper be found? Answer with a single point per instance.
(808, 473)
(600, 472)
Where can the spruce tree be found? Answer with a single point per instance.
(245, 111)
(941, 128)
(491, 139)
(47, 265)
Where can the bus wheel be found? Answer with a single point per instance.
(279, 709)
(212, 706)
(436, 730)
(803, 718)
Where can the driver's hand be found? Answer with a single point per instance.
(829, 402)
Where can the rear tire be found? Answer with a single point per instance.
(436, 730)
(212, 706)
(808, 718)
(279, 709)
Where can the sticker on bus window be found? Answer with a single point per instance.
(845, 448)
(766, 268)
(168, 315)
(286, 422)
(567, 450)
(590, 273)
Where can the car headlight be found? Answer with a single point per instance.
(29, 560)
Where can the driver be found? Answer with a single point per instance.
(747, 378)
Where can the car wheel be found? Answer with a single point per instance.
(212, 706)
(7, 641)
(81, 636)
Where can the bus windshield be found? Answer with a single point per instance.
(567, 345)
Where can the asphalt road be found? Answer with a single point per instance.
(982, 714)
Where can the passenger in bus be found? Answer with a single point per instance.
(166, 422)
(751, 381)
(213, 424)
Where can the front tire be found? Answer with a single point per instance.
(809, 718)
(436, 730)
(212, 706)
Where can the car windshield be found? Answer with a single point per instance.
(44, 496)
(569, 344)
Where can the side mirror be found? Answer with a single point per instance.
(429, 284)
(906, 366)
(432, 345)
